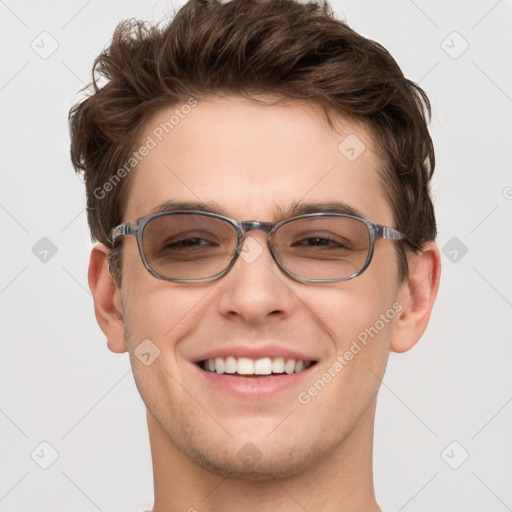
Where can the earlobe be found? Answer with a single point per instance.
(107, 299)
(417, 296)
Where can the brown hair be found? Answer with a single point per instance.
(249, 47)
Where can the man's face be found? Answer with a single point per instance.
(253, 161)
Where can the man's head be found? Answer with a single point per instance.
(255, 110)
(286, 49)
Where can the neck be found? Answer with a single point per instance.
(341, 482)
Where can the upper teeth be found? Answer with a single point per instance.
(246, 366)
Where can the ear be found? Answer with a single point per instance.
(417, 296)
(107, 299)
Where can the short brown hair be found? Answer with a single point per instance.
(285, 48)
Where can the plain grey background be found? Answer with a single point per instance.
(444, 418)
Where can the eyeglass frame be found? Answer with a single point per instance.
(376, 231)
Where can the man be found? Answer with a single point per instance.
(257, 180)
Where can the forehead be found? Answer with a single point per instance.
(255, 160)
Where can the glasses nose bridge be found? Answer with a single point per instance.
(254, 225)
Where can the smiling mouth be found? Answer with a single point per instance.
(245, 367)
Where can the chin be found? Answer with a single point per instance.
(249, 463)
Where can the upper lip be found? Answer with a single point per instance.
(255, 352)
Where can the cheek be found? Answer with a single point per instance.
(164, 315)
(156, 320)
(155, 308)
(349, 308)
(347, 383)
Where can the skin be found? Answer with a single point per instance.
(250, 160)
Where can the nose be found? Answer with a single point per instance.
(255, 289)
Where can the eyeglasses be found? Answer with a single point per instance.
(190, 246)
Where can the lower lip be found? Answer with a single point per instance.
(253, 387)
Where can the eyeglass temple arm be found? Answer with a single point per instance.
(121, 230)
(389, 233)
(393, 234)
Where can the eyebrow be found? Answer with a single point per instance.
(295, 209)
(301, 208)
(172, 206)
